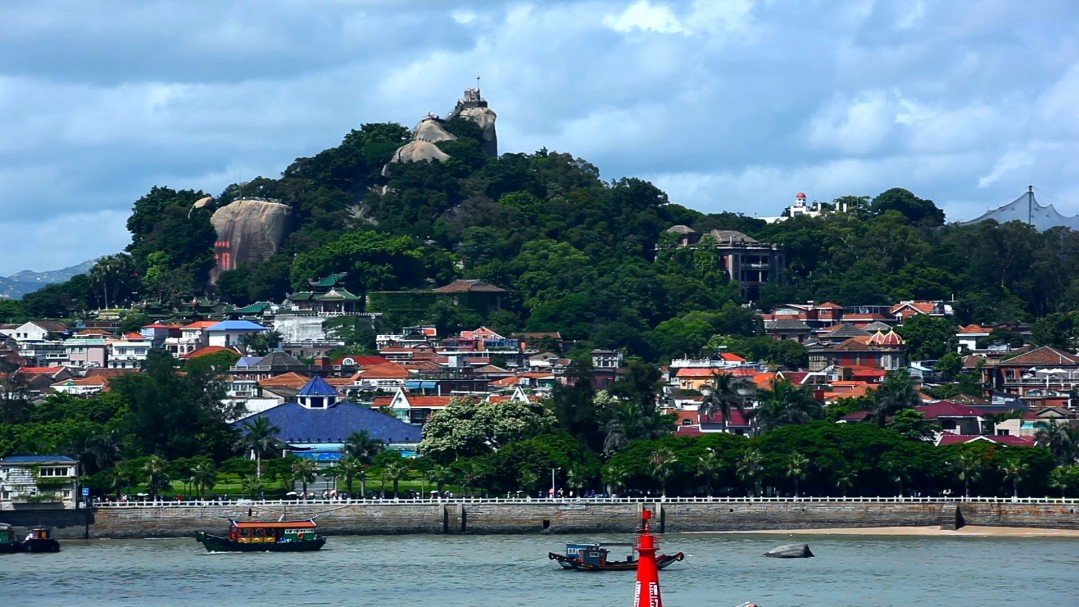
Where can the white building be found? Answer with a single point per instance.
(29, 482)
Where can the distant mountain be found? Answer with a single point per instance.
(28, 281)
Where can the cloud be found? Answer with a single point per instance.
(731, 104)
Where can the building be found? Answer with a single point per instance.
(129, 352)
(318, 423)
(231, 333)
(37, 482)
(747, 261)
(327, 297)
(1043, 377)
(476, 295)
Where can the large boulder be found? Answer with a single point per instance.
(248, 230)
(790, 551)
(485, 118)
(416, 151)
(431, 130)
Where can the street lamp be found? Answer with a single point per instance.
(552, 481)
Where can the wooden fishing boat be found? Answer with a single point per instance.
(39, 540)
(262, 536)
(594, 557)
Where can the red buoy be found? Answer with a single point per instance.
(646, 593)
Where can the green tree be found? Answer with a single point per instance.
(661, 461)
(364, 449)
(304, 472)
(260, 436)
(749, 468)
(350, 466)
(724, 395)
(709, 466)
(797, 469)
(155, 470)
(967, 467)
(927, 337)
(895, 393)
(466, 428)
(911, 424)
(784, 403)
(393, 473)
(1014, 470)
(205, 476)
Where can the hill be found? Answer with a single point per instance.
(590, 258)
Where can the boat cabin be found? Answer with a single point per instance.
(7, 534)
(258, 532)
(39, 533)
(594, 554)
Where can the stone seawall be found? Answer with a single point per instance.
(548, 517)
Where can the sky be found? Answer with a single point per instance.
(727, 105)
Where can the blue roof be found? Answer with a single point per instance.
(249, 361)
(298, 424)
(317, 387)
(236, 325)
(37, 459)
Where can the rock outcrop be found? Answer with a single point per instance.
(790, 551)
(248, 230)
(472, 106)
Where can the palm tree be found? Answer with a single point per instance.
(785, 404)
(349, 466)
(251, 486)
(895, 465)
(260, 435)
(364, 448)
(156, 470)
(1014, 470)
(439, 476)
(204, 475)
(844, 479)
(896, 392)
(661, 461)
(750, 465)
(304, 471)
(1063, 477)
(708, 468)
(968, 467)
(393, 472)
(1062, 440)
(723, 396)
(615, 476)
(576, 477)
(797, 469)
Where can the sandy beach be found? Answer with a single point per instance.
(929, 531)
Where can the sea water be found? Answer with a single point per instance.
(514, 570)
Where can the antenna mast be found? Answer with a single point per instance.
(1030, 205)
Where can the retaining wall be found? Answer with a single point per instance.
(546, 517)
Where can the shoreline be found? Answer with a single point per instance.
(923, 531)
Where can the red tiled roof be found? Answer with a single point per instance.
(429, 401)
(84, 381)
(41, 370)
(469, 286)
(731, 357)
(1043, 356)
(973, 328)
(947, 409)
(382, 401)
(202, 324)
(206, 351)
(505, 382)
(385, 371)
(688, 431)
(737, 419)
(285, 380)
(361, 360)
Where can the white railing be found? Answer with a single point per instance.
(584, 501)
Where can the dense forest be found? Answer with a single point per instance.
(578, 254)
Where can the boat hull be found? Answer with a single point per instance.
(662, 560)
(216, 543)
(40, 545)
